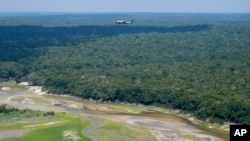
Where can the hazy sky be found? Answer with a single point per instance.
(214, 6)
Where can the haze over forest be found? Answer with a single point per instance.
(132, 6)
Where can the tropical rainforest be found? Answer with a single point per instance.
(197, 63)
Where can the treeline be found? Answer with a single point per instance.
(7, 112)
(202, 69)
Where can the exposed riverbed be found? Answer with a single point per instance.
(162, 126)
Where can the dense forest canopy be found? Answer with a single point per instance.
(199, 63)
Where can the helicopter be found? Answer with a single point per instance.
(124, 22)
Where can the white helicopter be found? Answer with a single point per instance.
(124, 22)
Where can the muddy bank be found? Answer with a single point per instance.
(13, 133)
(162, 126)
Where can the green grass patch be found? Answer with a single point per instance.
(17, 99)
(29, 118)
(113, 131)
(192, 137)
(63, 97)
(70, 131)
(39, 100)
(13, 85)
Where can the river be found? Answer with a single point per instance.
(162, 126)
